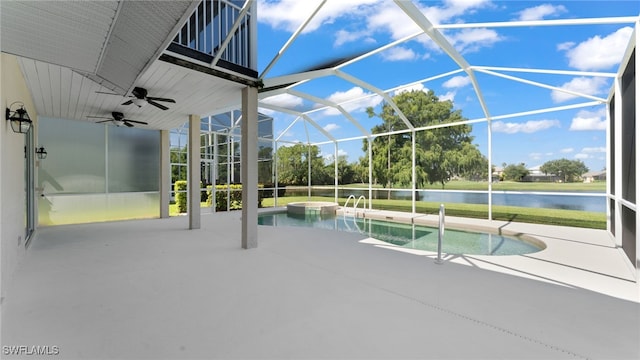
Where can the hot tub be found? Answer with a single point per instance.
(312, 207)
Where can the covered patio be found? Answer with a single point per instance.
(152, 289)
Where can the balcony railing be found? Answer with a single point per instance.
(209, 26)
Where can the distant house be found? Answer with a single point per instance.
(497, 173)
(592, 176)
(535, 175)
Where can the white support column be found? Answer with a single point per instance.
(413, 171)
(308, 169)
(637, 136)
(249, 167)
(618, 160)
(275, 174)
(165, 173)
(370, 151)
(490, 184)
(193, 173)
(214, 183)
(335, 163)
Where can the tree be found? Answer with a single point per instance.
(567, 170)
(265, 161)
(515, 172)
(441, 153)
(293, 165)
(178, 156)
(346, 171)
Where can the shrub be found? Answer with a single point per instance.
(180, 190)
(235, 201)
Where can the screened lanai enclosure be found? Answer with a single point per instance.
(463, 113)
(368, 140)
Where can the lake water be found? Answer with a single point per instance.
(595, 202)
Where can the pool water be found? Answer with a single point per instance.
(408, 235)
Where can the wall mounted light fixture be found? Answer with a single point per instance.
(41, 153)
(20, 121)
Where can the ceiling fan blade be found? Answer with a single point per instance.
(127, 102)
(103, 121)
(160, 99)
(136, 122)
(157, 105)
(128, 124)
(99, 117)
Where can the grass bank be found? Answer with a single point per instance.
(573, 218)
(599, 186)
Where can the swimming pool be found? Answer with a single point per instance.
(409, 235)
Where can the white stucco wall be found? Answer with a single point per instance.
(12, 183)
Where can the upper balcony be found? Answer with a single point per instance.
(221, 33)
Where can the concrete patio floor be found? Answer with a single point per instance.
(150, 289)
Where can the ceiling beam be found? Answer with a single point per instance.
(559, 22)
(332, 105)
(299, 114)
(293, 37)
(374, 89)
(534, 83)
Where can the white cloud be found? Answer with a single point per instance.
(328, 158)
(584, 85)
(449, 95)
(566, 150)
(289, 14)
(589, 120)
(399, 53)
(344, 37)
(471, 40)
(600, 149)
(581, 156)
(535, 156)
(330, 127)
(284, 100)
(353, 100)
(390, 18)
(378, 16)
(528, 127)
(565, 45)
(410, 88)
(539, 12)
(457, 82)
(600, 53)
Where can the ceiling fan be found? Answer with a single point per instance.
(117, 118)
(140, 98)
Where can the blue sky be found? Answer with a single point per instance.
(344, 28)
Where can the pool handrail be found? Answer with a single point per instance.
(364, 204)
(349, 198)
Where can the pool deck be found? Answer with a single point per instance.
(151, 289)
(575, 257)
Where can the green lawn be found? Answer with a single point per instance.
(574, 218)
(173, 208)
(599, 186)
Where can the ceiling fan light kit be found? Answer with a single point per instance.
(117, 119)
(139, 98)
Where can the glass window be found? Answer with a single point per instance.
(134, 159)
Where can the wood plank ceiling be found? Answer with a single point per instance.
(68, 51)
(59, 92)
